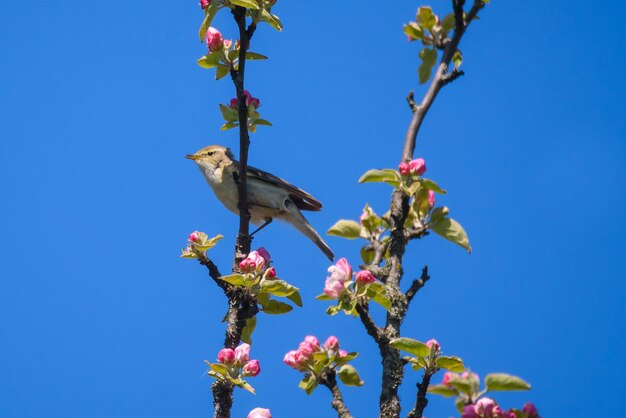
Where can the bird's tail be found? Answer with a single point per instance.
(298, 220)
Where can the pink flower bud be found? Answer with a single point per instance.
(205, 3)
(252, 368)
(246, 93)
(193, 236)
(332, 343)
(418, 166)
(306, 348)
(263, 253)
(485, 406)
(313, 341)
(493, 412)
(365, 277)
(469, 411)
(302, 357)
(447, 377)
(471, 376)
(226, 356)
(509, 414)
(259, 261)
(214, 40)
(404, 168)
(530, 410)
(247, 265)
(431, 198)
(234, 103)
(242, 353)
(260, 413)
(290, 359)
(342, 353)
(253, 101)
(433, 343)
(270, 272)
(228, 43)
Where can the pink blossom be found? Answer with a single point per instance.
(214, 39)
(447, 377)
(252, 368)
(270, 272)
(247, 265)
(290, 359)
(469, 411)
(431, 198)
(364, 216)
(311, 339)
(333, 288)
(234, 103)
(417, 166)
(342, 353)
(260, 413)
(242, 353)
(205, 3)
(530, 410)
(193, 236)
(226, 356)
(365, 277)
(306, 348)
(246, 93)
(433, 343)
(228, 43)
(471, 376)
(332, 343)
(253, 101)
(493, 412)
(340, 271)
(509, 414)
(258, 260)
(404, 168)
(485, 407)
(302, 357)
(264, 253)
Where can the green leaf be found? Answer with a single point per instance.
(345, 229)
(376, 291)
(271, 19)
(431, 185)
(333, 310)
(229, 114)
(219, 368)
(452, 363)
(452, 231)
(386, 175)
(209, 14)
(249, 4)
(275, 307)
(426, 17)
(238, 280)
(505, 382)
(255, 56)
(295, 298)
(457, 58)
(349, 376)
(442, 390)
(413, 31)
(221, 71)
(229, 125)
(263, 122)
(246, 334)
(439, 213)
(429, 58)
(207, 244)
(277, 287)
(245, 385)
(463, 384)
(367, 255)
(324, 296)
(411, 346)
(344, 359)
(210, 60)
(448, 23)
(308, 383)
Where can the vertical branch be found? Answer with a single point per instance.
(420, 399)
(329, 380)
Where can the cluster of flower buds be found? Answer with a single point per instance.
(258, 261)
(250, 101)
(303, 358)
(488, 408)
(260, 413)
(238, 361)
(198, 243)
(417, 166)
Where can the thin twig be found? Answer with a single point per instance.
(370, 326)
(329, 380)
(420, 399)
(417, 285)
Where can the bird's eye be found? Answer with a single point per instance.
(209, 153)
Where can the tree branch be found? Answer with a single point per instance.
(417, 285)
(370, 326)
(329, 380)
(420, 399)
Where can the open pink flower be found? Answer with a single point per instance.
(214, 39)
(333, 288)
(340, 273)
(260, 413)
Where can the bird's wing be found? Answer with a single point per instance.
(302, 199)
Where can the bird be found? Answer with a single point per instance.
(269, 197)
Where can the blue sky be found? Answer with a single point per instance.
(101, 100)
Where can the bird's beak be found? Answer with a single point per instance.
(192, 157)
